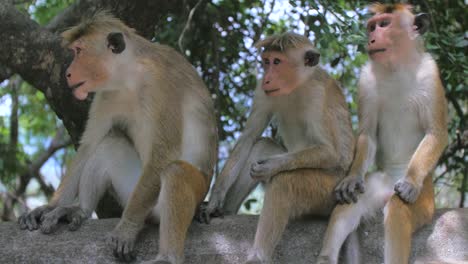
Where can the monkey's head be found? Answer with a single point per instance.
(393, 33)
(287, 61)
(99, 47)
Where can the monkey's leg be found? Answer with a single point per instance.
(183, 188)
(139, 205)
(402, 219)
(114, 157)
(244, 184)
(345, 218)
(288, 195)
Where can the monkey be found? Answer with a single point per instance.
(151, 137)
(316, 147)
(402, 128)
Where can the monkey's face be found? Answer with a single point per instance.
(280, 74)
(92, 64)
(390, 39)
(87, 70)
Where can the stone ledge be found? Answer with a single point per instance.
(228, 241)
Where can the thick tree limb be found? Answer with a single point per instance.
(35, 53)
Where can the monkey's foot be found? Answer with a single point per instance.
(32, 220)
(122, 240)
(206, 211)
(73, 214)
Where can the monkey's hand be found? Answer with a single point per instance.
(214, 208)
(122, 240)
(264, 170)
(32, 220)
(348, 189)
(407, 190)
(74, 215)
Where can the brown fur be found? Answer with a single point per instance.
(315, 127)
(151, 133)
(403, 184)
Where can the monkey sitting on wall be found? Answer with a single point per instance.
(151, 137)
(402, 120)
(314, 124)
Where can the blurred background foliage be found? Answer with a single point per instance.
(218, 40)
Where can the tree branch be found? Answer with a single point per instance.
(5, 73)
(35, 53)
(187, 25)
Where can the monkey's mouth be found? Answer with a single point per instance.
(371, 52)
(267, 92)
(75, 86)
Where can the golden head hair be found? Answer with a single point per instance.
(100, 22)
(283, 42)
(379, 8)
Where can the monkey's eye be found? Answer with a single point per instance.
(384, 23)
(266, 62)
(371, 27)
(276, 61)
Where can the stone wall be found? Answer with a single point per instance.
(228, 240)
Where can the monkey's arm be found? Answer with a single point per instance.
(424, 159)
(347, 190)
(255, 125)
(323, 156)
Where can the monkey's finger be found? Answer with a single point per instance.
(361, 187)
(354, 196)
(127, 252)
(346, 198)
(22, 223)
(31, 222)
(205, 217)
(351, 192)
(75, 223)
(119, 250)
(339, 196)
(50, 222)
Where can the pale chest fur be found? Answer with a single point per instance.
(402, 99)
(399, 130)
(299, 120)
(121, 110)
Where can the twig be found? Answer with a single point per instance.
(187, 25)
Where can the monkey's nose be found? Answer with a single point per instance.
(68, 75)
(372, 41)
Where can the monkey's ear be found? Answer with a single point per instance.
(311, 58)
(116, 42)
(421, 21)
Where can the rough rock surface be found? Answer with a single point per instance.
(228, 240)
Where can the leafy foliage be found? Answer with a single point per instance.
(218, 40)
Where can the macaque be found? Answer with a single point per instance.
(151, 137)
(402, 123)
(316, 151)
